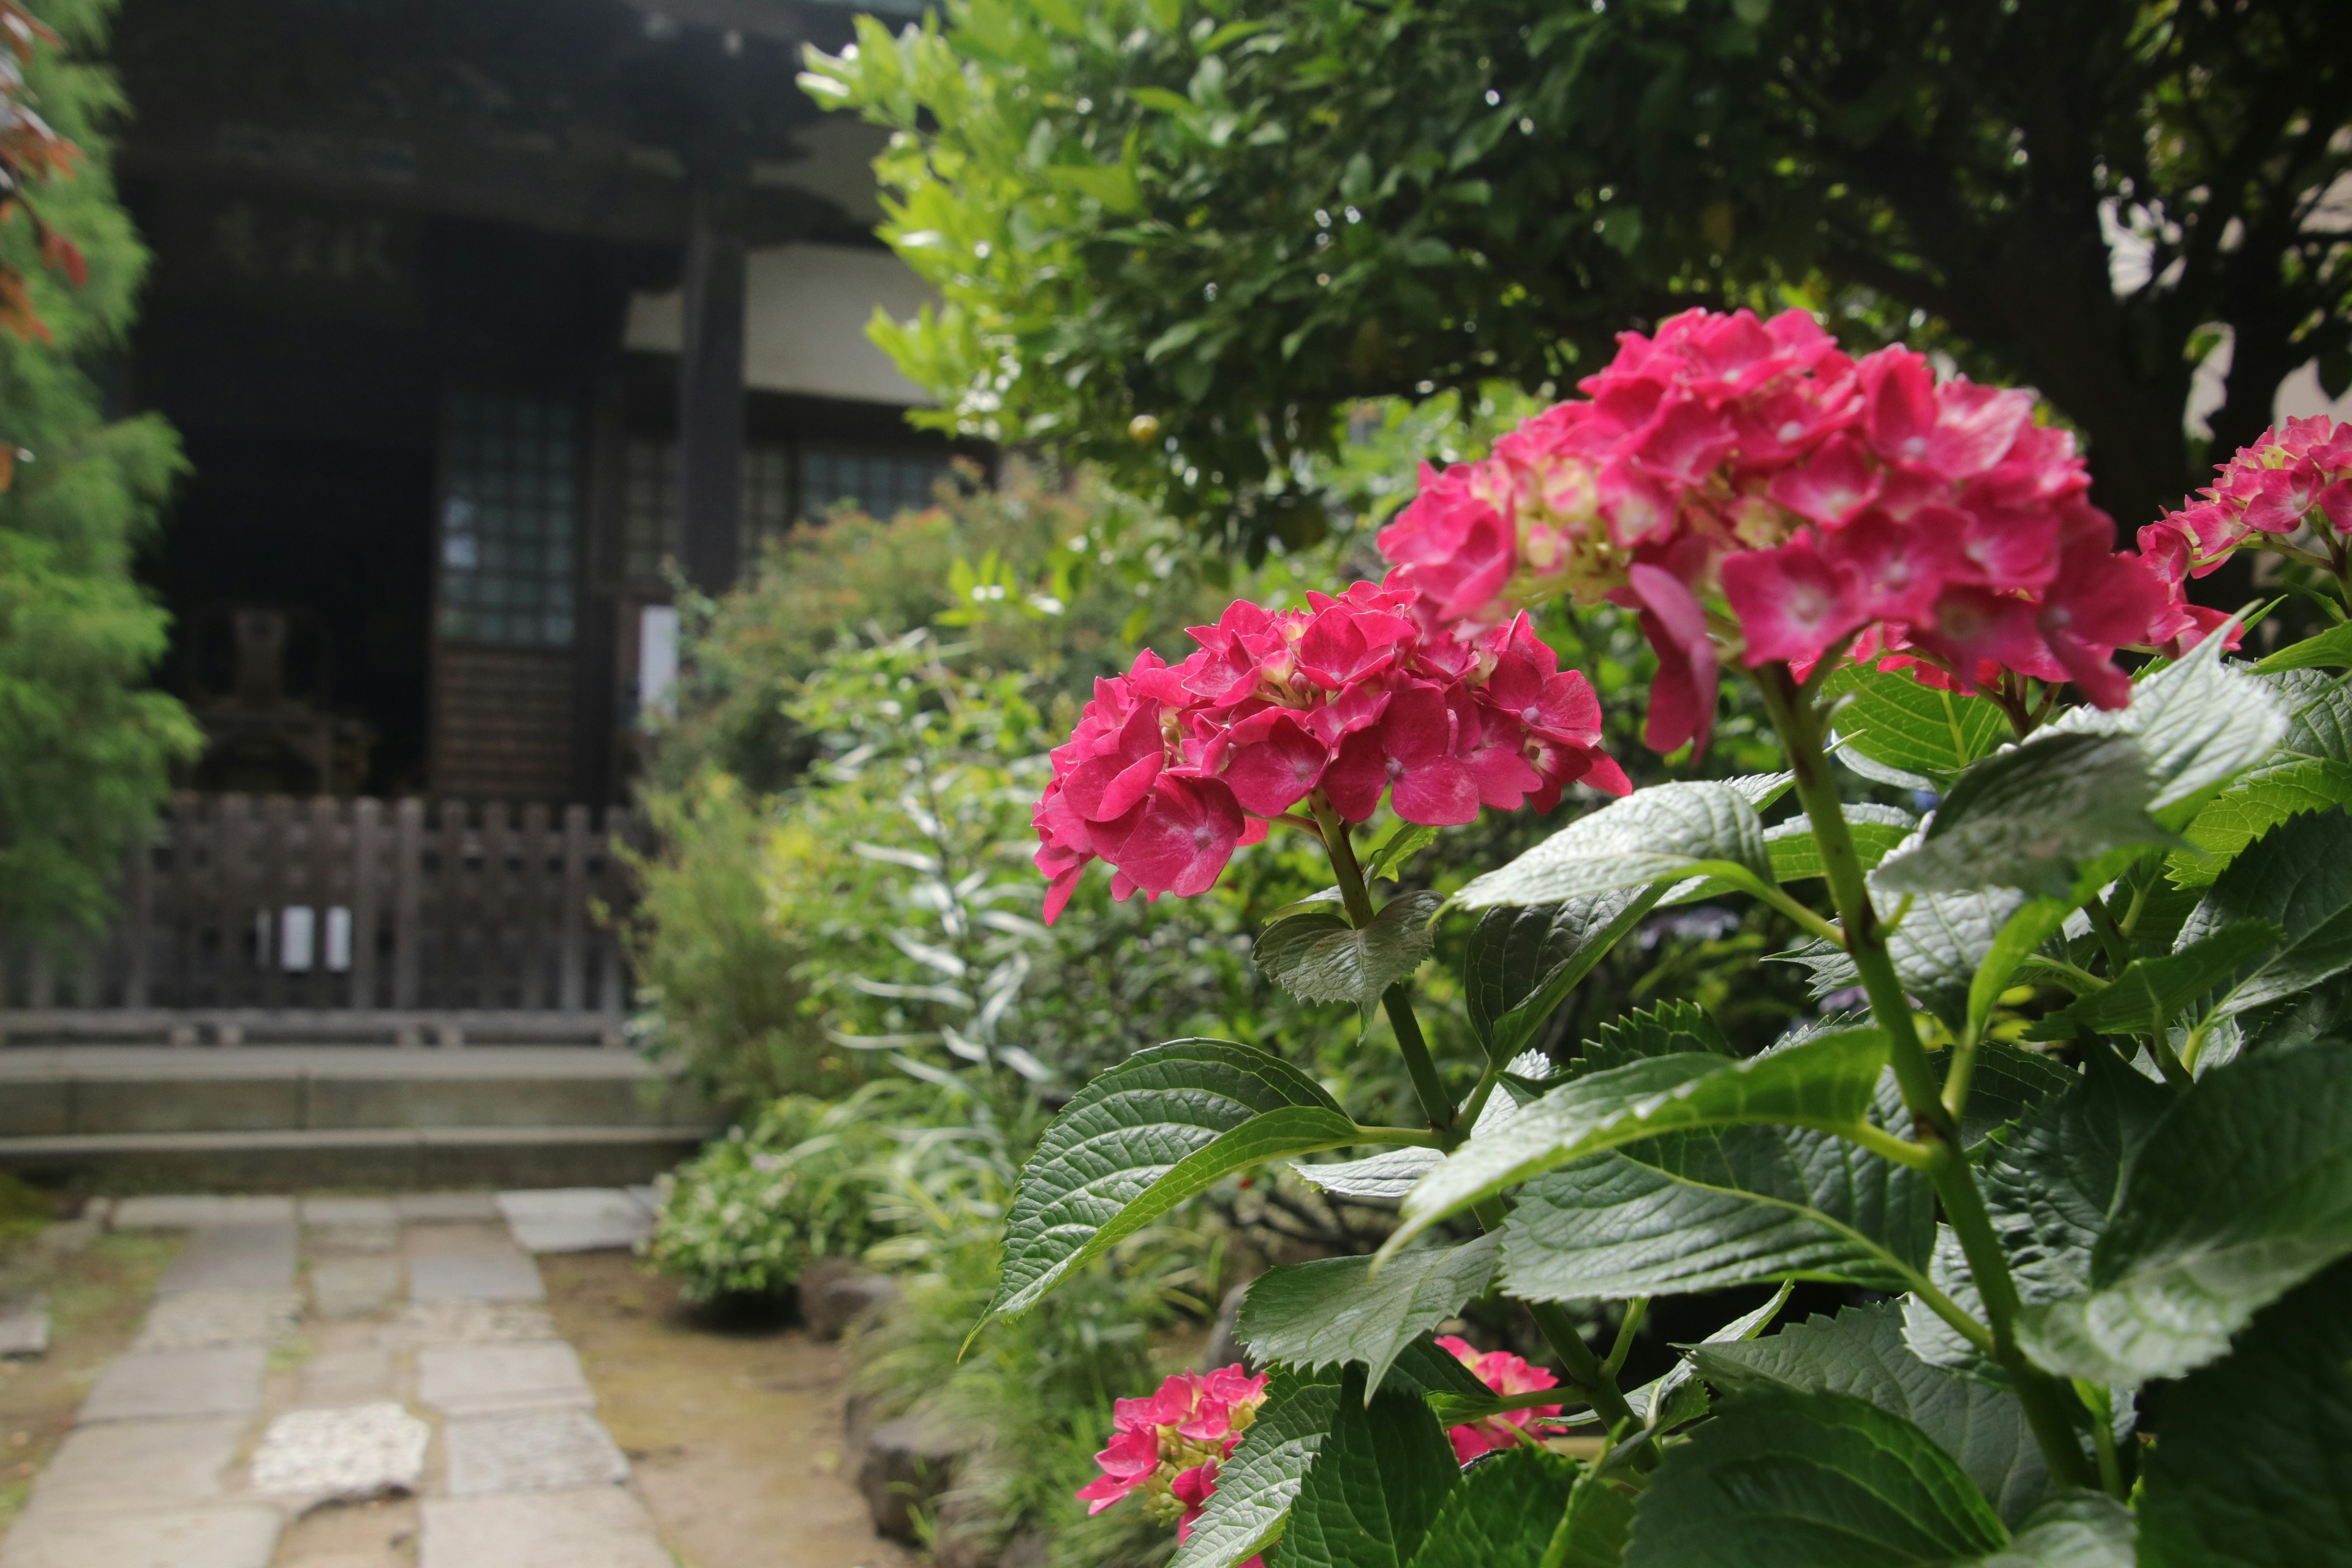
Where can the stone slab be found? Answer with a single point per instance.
(349, 1454)
(446, 1206)
(195, 1211)
(350, 1210)
(480, 1380)
(192, 1319)
(539, 1451)
(456, 1239)
(242, 1257)
(23, 1330)
(575, 1219)
(648, 1197)
(221, 1535)
(354, 1287)
(603, 1527)
(469, 1323)
(488, 1276)
(160, 1385)
(353, 1376)
(349, 1240)
(161, 1464)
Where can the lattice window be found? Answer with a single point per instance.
(509, 522)
(651, 529)
(880, 484)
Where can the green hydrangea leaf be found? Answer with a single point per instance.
(1522, 960)
(2050, 1179)
(1825, 1083)
(1737, 1206)
(2331, 650)
(1861, 1351)
(1334, 1312)
(1877, 831)
(2241, 1192)
(1936, 950)
(2150, 991)
(2310, 769)
(1144, 1136)
(1259, 1479)
(2299, 878)
(2030, 816)
(1317, 956)
(1901, 723)
(1659, 1031)
(1668, 830)
(1783, 1478)
(1506, 1511)
(1377, 1483)
(2199, 723)
(2255, 1469)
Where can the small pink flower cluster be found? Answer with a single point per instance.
(1173, 767)
(1505, 1374)
(1168, 1447)
(2271, 486)
(1820, 496)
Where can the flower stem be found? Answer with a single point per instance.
(1396, 1000)
(1933, 1124)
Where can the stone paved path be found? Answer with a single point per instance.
(302, 1352)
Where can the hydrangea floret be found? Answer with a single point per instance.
(1747, 481)
(1506, 1375)
(1168, 1447)
(2296, 478)
(1348, 699)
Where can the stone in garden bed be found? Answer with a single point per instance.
(24, 1329)
(904, 1466)
(835, 1294)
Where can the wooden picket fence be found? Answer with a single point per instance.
(252, 916)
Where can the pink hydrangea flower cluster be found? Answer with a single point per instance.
(1752, 463)
(1505, 1374)
(1168, 1447)
(1173, 767)
(2302, 473)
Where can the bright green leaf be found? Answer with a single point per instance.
(1377, 1483)
(1409, 839)
(1319, 957)
(2331, 650)
(1861, 1351)
(2299, 878)
(1506, 1512)
(1897, 720)
(1259, 1479)
(1816, 1479)
(2199, 723)
(1668, 830)
(1661, 1031)
(1523, 960)
(1599, 1523)
(1825, 1083)
(2029, 816)
(2242, 1191)
(1334, 1312)
(1708, 1210)
(1876, 830)
(2310, 769)
(2149, 990)
(1143, 1137)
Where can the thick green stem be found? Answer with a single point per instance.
(1398, 1003)
(1584, 1368)
(1933, 1124)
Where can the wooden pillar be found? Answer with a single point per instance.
(711, 379)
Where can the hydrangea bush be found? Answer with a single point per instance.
(2083, 1161)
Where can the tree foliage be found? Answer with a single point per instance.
(85, 750)
(1184, 237)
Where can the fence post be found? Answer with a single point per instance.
(531, 872)
(367, 819)
(572, 980)
(232, 831)
(449, 888)
(613, 1001)
(408, 900)
(138, 933)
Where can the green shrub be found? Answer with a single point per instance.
(750, 1213)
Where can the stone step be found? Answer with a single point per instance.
(84, 1091)
(278, 1159)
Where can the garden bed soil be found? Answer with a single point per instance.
(98, 1297)
(732, 1423)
